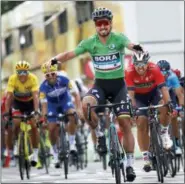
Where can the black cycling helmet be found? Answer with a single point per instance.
(100, 13)
(164, 65)
(141, 57)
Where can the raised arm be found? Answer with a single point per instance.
(65, 56)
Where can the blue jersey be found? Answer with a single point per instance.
(172, 81)
(57, 92)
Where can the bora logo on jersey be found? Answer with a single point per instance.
(111, 57)
(107, 62)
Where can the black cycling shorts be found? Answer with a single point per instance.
(182, 81)
(113, 90)
(23, 107)
(144, 100)
(173, 97)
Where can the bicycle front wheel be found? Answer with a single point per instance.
(28, 150)
(104, 161)
(44, 156)
(171, 162)
(21, 157)
(114, 148)
(157, 153)
(64, 150)
(66, 167)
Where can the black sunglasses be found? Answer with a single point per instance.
(50, 74)
(140, 64)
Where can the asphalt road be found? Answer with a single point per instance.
(92, 174)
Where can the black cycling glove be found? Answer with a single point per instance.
(138, 48)
(54, 61)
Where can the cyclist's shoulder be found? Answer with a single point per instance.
(92, 37)
(44, 85)
(130, 69)
(63, 79)
(153, 66)
(13, 77)
(89, 40)
(117, 35)
(32, 76)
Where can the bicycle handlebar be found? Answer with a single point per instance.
(152, 107)
(23, 117)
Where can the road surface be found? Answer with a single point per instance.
(92, 174)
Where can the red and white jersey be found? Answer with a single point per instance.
(144, 84)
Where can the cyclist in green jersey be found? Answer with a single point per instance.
(107, 50)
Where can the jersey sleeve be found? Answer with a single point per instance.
(159, 78)
(81, 48)
(129, 80)
(35, 84)
(72, 86)
(11, 84)
(42, 94)
(124, 40)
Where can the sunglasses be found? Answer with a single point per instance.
(140, 64)
(22, 72)
(99, 23)
(50, 74)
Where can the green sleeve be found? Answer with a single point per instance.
(124, 39)
(81, 48)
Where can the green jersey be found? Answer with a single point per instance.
(108, 59)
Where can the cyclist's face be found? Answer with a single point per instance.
(165, 74)
(22, 75)
(51, 77)
(103, 27)
(141, 69)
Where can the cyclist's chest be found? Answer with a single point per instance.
(57, 90)
(23, 87)
(111, 47)
(137, 79)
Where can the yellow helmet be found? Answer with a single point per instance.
(22, 65)
(47, 68)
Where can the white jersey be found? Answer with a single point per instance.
(74, 87)
(82, 89)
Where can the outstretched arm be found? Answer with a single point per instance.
(62, 57)
(65, 56)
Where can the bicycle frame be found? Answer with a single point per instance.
(23, 143)
(112, 126)
(116, 151)
(63, 149)
(155, 140)
(25, 128)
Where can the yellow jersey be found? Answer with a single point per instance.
(23, 91)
